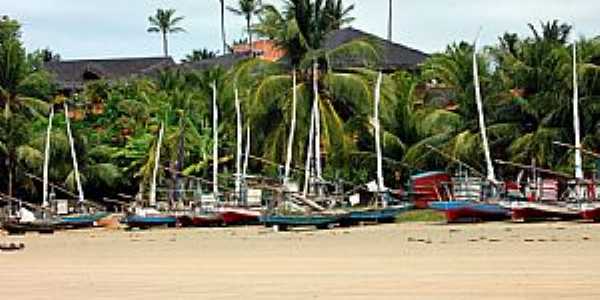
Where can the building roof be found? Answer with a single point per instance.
(264, 49)
(226, 61)
(394, 56)
(73, 74)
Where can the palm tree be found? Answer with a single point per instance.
(198, 55)
(247, 9)
(302, 25)
(344, 97)
(165, 22)
(16, 100)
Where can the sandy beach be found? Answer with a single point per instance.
(398, 261)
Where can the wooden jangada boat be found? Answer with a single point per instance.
(485, 206)
(25, 220)
(560, 208)
(147, 217)
(240, 211)
(381, 211)
(81, 216)
(311, 212)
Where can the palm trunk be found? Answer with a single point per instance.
(10, 175)
(250, 45)
(180, 162)
(9, 158)
(165, 44)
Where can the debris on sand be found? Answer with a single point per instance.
(11, 247)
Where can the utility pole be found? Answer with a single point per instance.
(390, 22)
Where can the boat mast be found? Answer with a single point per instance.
(317, 124)
(578, 160)
(215, 143)
(47, 157)
(161, 133)
(238, 157)
(73, 154)
(309, 152)
(486, 148)
(377, 125)
(247, 156)
(288, 161)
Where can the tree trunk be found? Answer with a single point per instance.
(165, 44)
(223, 35)
(10, 175)
(180, 161)
(250, 45)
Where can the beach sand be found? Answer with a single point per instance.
(398, 261)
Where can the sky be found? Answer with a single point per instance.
(78, 29)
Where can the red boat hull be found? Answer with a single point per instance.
(422, 204)
(528, 214)
(239, 217)
(200, 221)
(591, 214)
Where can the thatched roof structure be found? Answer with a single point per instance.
(72, 75)
(225, 62)
(393, 56)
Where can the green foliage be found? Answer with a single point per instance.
(424, 215)
(526, 86)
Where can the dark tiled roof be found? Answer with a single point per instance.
(393, 56)
(226, 62)
(71, 74)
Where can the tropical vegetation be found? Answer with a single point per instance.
(526, 85)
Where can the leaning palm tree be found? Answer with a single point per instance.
(165, 22)
(247, 9)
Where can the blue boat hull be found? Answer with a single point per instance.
(134, 221)
(82, 221)
(460, 211)
(320, 221)
(383, 215)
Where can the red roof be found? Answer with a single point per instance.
(265, 49)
